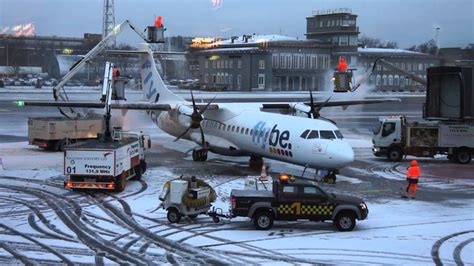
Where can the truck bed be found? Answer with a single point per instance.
(97, 144)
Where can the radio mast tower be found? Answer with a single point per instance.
(109, 21)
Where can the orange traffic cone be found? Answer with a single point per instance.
(263, 174)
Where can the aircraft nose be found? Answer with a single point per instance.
(342, 154)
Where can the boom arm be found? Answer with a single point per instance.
(90, 55)
(414, 77)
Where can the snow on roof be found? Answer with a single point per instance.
(387, 51)
(258, 39)
(236, 49)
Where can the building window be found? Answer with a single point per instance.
(282, 61)
(353, 60)
(288, 62)
(384, 80)
(261, 64)
(353, 40)
(344, 40)
(295, 61)
(371, 79)
(206, 78)
(395, 80)
(335, 39)
(206, 64)
(261, 81)
(377, 80)
(275, 60)
(420, 67)
(239, 64)
(390, 80)
(408, 66)
(403, 66)
(308, 61)
(214, 64)
(314, 61)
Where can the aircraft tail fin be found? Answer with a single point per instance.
(154, 89)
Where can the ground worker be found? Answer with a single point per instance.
(115, 72)
(342, 66)
(412, 179)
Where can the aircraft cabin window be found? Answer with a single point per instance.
(314, 134)
(246, 131)
(228, 127)
(237, 131)
(327, 134)
(304, 134)
(339, 134)
(242, 130)
(233, 128)
(251, 132)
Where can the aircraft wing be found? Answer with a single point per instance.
(99, 105)
(343, 103)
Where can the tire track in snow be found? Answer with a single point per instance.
(437, 245)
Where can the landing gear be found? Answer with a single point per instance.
(199, 155)
(330, 177)
(255, 162)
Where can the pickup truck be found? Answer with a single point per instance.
(297, 199)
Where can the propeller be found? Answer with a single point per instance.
(314, 111)
(196, 119)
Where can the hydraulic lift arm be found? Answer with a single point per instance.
(89, 56)
(342, 78)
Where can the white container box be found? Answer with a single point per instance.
(177, 190)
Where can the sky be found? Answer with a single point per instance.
(407, 22)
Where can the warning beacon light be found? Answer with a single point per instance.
(342, 77)
(156, 32)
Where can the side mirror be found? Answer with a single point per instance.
(149, 142)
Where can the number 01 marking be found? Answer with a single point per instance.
(70, 170)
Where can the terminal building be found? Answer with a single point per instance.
(39, 52)
(281, 63)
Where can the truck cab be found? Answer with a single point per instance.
(297, 199)
(387, 138)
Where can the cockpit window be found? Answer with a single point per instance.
(339, 134)
(305, 133)
(327, 134)
(313, 135)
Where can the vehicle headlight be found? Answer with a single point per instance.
(363, 206)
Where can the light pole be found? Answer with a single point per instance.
(436, 39)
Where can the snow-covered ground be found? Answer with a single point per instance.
(43, 222)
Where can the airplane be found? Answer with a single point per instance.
(241, 129)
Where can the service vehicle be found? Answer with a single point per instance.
(296, 199)
(99, 164)
(449, 120)
(54, 133)
(186, 196)
(395, 138)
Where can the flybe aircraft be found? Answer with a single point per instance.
(242, 129)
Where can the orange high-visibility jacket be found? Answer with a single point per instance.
(413, 172)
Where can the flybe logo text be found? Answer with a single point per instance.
(274, 136)
(151, 90)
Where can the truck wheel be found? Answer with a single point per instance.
(138, 172)
(61, 144)
(463, 156)
(173, 216)
(121, 183)
(143, 166)
(345, 221)
(395, 154)
(263, 220)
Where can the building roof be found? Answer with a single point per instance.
(254, 39)
(388, 51)
(233, 50)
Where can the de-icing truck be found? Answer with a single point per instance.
(106, 165)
